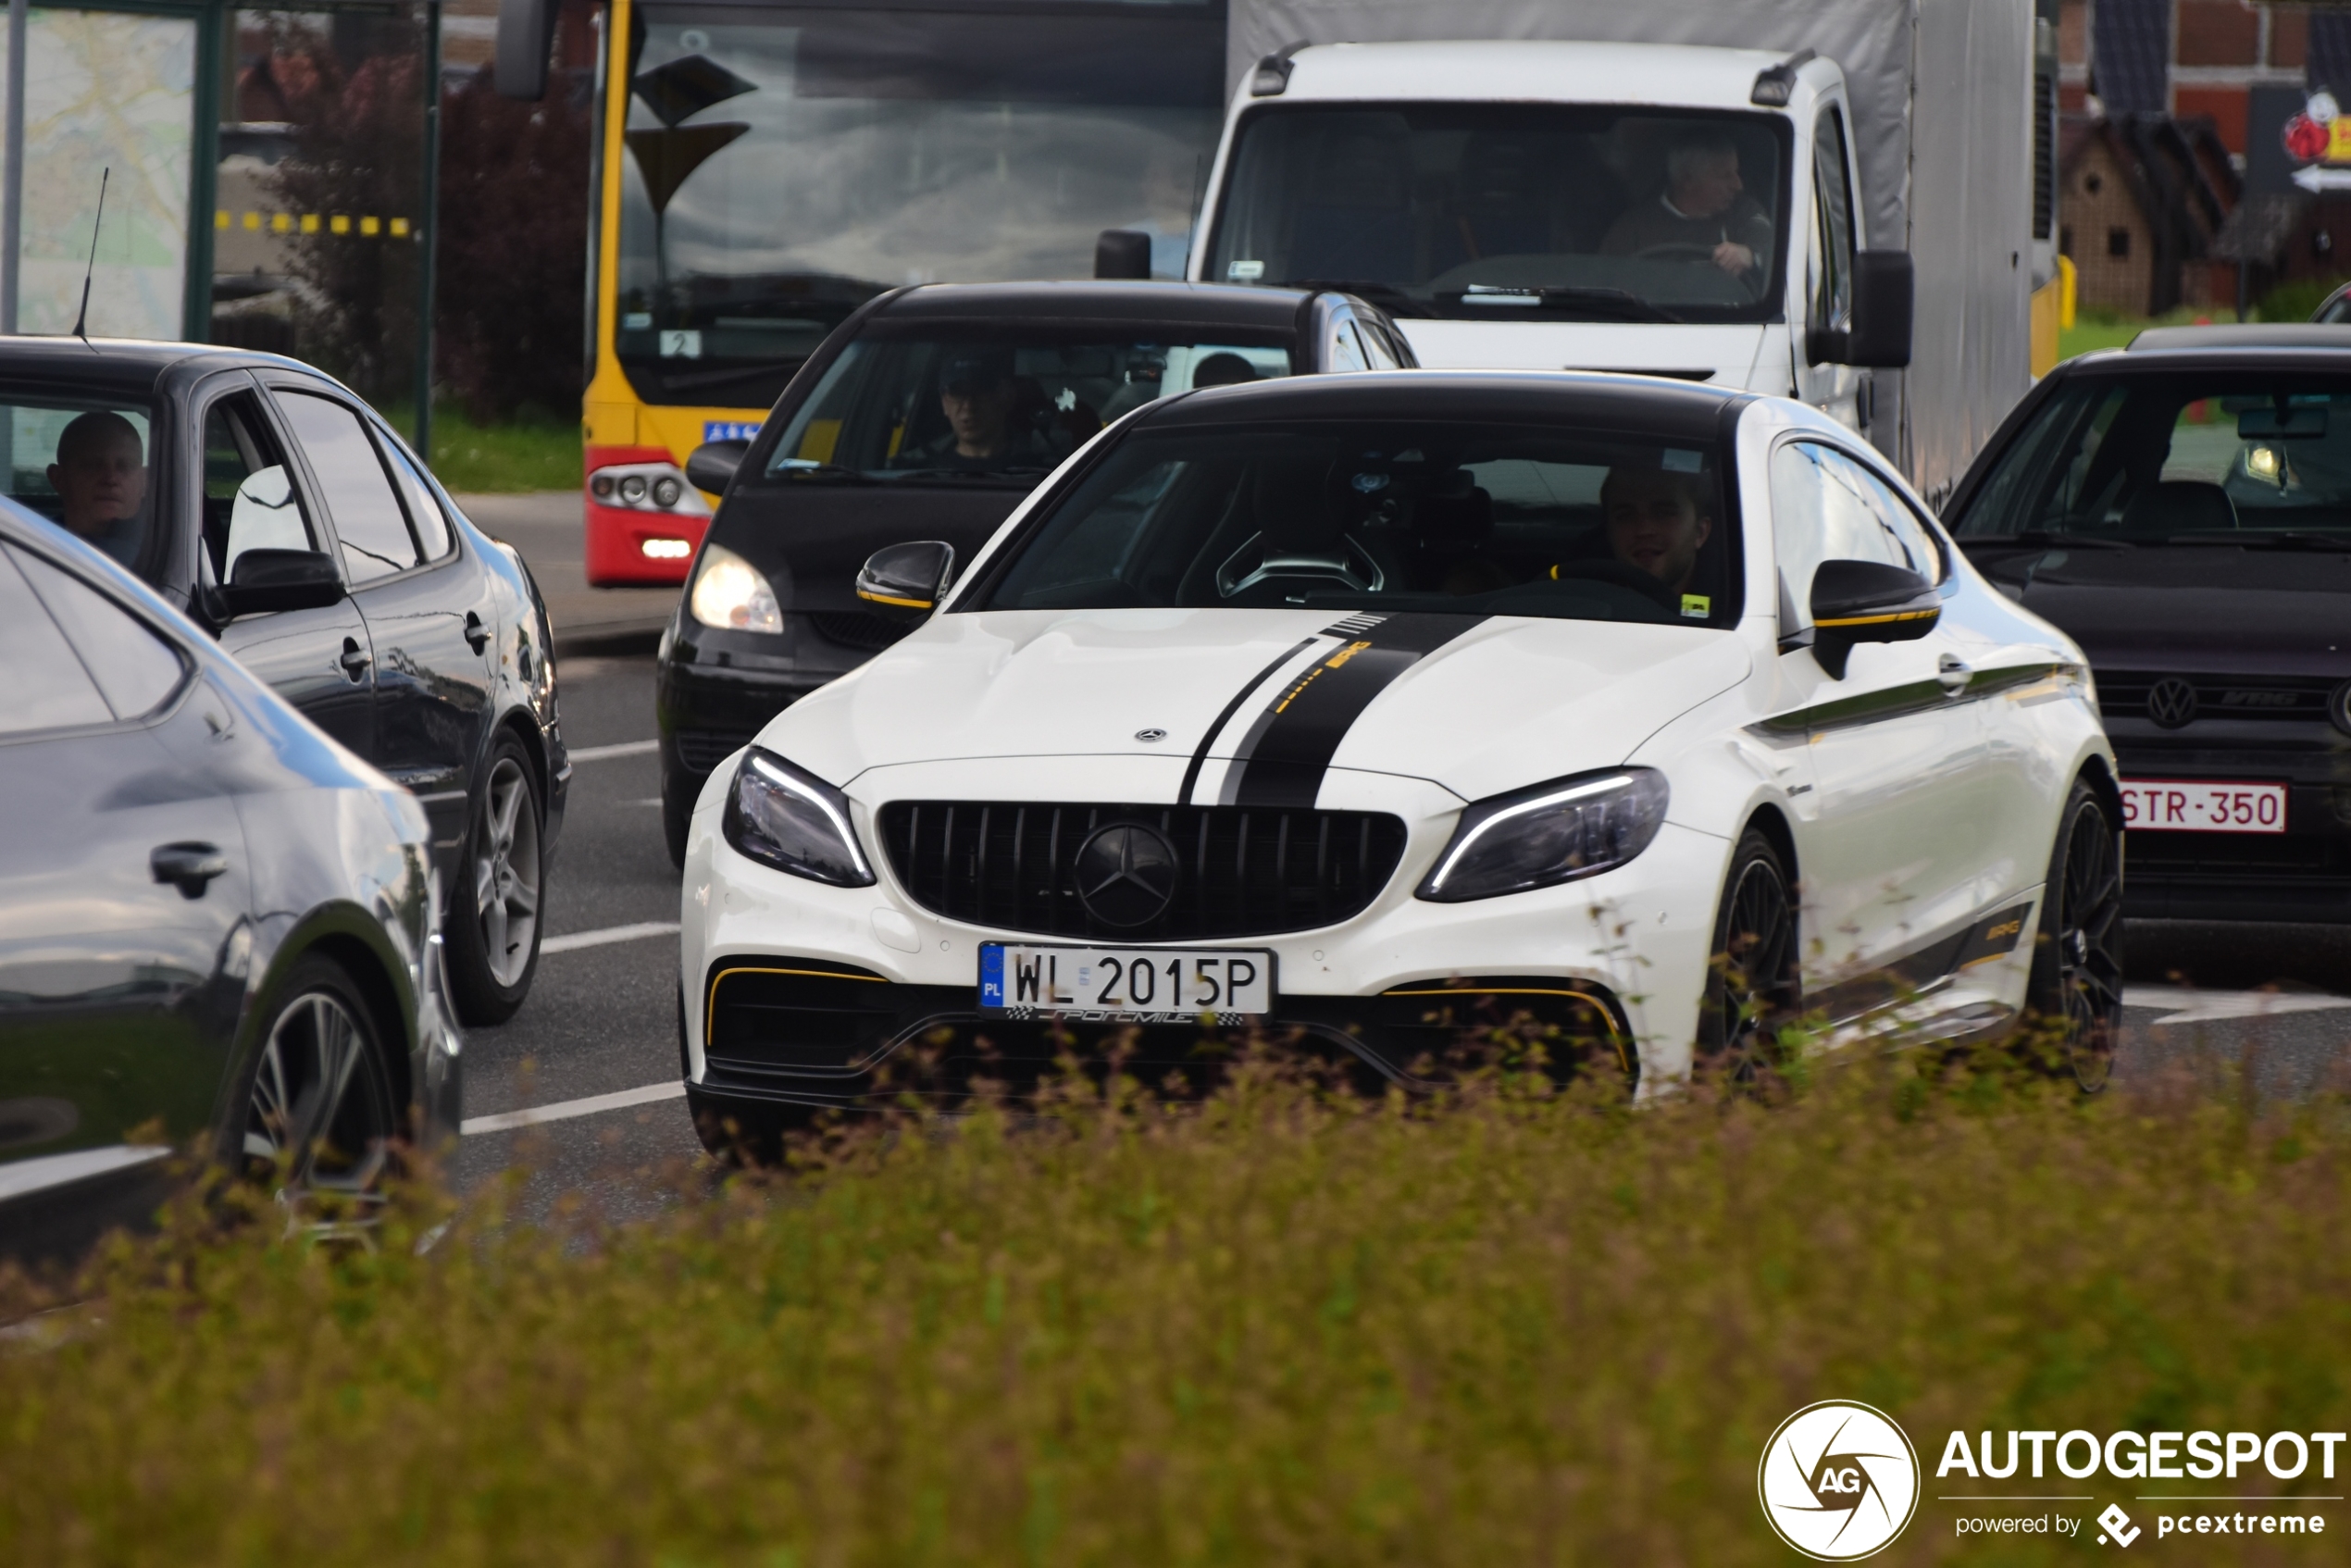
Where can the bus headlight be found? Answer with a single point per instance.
(647, 487)
(732, 594)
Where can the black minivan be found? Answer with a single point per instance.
(929, 415)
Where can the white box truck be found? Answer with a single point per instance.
(1747, 192)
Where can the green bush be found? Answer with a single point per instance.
(1273, 1328)
(2294, 301)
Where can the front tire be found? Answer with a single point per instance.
(493, 924)
(2076, 987)
(1751, 983)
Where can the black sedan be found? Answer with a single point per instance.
(929, 415)
(275, 508)
(2183, 509)
(215, 925)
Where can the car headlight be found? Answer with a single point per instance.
(788, 818)
(1551, 833)
(732, 594)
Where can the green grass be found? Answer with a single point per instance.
(515, 456)
(1270, 1329)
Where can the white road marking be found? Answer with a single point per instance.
(610, 934)
(565, 1110)
(2182, 1006)
(626, 749)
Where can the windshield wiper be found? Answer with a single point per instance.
(1600, 304)
(2252, 538)
(831, 473)
(2043, 539)
(1388, 296)
(1020, 475)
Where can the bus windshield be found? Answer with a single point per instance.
(784, 164)
(1487, 211)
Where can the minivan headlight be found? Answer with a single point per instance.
(732, 594)
(788, 818)
(1551, 833)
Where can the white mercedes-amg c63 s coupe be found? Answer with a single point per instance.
(1365, 707)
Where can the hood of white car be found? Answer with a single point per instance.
(1258, 704)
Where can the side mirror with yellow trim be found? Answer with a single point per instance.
(1855, 602)
(905, 581)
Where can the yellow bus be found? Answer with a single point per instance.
(761, 170)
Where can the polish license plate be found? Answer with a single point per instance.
(1141, 985)
(2179, 805)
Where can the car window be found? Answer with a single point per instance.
(368, 517)
(134, 667)
(249, 498)
(82, 465)
(1388, 515)
(433, 534)
(1827, 506)
(1832, 226)
(42, 685)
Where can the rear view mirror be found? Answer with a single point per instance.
(2306, 422)
(905, 581)
(1884, 298)
(267, 580)
(1122, 253)
(712, 465)
(1856, 602)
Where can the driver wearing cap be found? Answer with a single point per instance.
(1703, 211)
(981, 398)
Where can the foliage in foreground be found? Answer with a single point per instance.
(1269, 1329)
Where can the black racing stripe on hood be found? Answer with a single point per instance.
(1283, 758)
(1208, 736)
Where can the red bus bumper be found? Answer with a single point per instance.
(639, 546)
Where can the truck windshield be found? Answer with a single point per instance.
(1479, 211)
(1393, 515)
(783, 166)
(996, 403)
(2207, 457)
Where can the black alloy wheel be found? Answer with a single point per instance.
(321, 1121)
(492, 916)
(1751, 984)
(2076, 987)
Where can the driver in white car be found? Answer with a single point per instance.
(1656, 521)
(1703, 210)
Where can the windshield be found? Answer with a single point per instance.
(1002, 404)
(1474, 210)
(1397, 515)
(781, 171)
(2198, 457)
(81, 464)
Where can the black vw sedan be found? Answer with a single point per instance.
(2183, 509)
(216, 924)
(272, 506)
(930, 413)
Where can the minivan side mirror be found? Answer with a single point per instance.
(906, 581)
(1122, 253)
(1856, 602)
(1884, 294)
(712, 465)
(264, 581)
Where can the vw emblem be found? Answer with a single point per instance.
(2172, 701)
(1125, 875)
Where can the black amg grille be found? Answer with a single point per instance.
(2124, 695)
(852, 629)
(1240, 872)
(702, 750)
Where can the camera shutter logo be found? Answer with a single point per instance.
(1838, 1481)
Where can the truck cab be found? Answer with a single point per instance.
(1671, 210)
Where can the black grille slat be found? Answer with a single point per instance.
(1245, 873)
(2272, 697)
(701, 750)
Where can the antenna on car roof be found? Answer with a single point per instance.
(82, 320)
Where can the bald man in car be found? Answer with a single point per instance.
(101, 480)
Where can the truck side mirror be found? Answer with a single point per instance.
(1883, 294)
(526, 39)
(1856, 602)
(710, 466)
(1122, 253)
(905, 582)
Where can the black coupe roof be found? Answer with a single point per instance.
(120, 366)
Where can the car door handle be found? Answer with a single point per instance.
(187, 866)
(355, 660)
(1954, 673)
(475, 633)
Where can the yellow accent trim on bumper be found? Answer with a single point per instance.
(710, 1013)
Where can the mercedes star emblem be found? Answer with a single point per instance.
(1125, 875)
(2172, 701)
(1151, 735)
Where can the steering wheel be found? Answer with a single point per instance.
(1623, 575)
(1674, 250)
